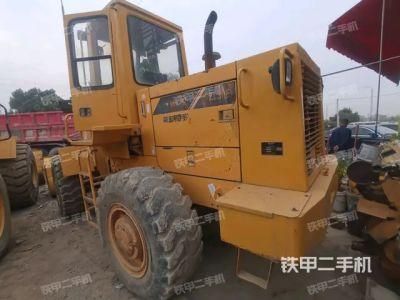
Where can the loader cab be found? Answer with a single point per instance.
(155, 53)
(113, 53)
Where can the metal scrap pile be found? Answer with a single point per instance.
(375, 177)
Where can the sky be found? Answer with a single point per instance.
(32, 45)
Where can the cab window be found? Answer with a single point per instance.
(156, 55)
(91, 52)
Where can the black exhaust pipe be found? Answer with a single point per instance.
(209, 56)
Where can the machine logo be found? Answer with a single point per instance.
(213, 95)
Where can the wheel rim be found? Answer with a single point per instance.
(127, 241)
(2, 215)
(35, 179)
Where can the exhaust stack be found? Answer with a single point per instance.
(210, 56)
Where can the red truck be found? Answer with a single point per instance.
(41, 130)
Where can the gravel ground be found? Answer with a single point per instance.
(39, 258)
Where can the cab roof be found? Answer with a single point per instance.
(130, 6)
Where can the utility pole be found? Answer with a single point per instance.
(380, 66)
(327, 112)
(372, 104)
(337, 113)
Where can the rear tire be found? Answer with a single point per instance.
(21, 177)
(148, 198)
(68, 190)
(5, 219)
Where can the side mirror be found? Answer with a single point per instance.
(282, 73)
(5, 132)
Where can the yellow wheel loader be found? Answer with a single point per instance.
(18, 168)
(244, 139)
(19, 183)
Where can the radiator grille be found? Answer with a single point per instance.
(312, 105)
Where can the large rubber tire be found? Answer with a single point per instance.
(53, 151)
(21, 177)
(68, 190)
(5, 219)
(158, 206)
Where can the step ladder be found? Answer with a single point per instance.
(89, 187)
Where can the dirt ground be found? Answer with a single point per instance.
(40, 258)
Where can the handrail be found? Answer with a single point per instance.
(7, 124)
(66, 127)
(240, 96)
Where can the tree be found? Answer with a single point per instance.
(345, 113)
(35, 100)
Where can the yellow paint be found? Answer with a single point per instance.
(117, 105)
(270, 232)
(219, 163)
(279, 195)
(38, 154)
(8, 148)
(48, 176)
(74, 159)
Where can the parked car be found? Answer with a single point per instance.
(391, 125)
(367, 135)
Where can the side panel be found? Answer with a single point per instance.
(271, 128)
(74, 159)
(201, 189)
(222, 163)
(8, 148)
(188, 118)
(196, 125)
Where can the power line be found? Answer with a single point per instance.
(359, 98)
(358, 67)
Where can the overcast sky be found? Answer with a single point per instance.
(32, 48)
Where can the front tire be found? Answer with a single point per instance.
(138, 213)
(5, 219)
(21, 177)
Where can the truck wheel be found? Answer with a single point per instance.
(68, 190)
(21, 177)
(5, 219)
(139, 211)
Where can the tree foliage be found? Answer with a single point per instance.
(35, 100)
(345, 113)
